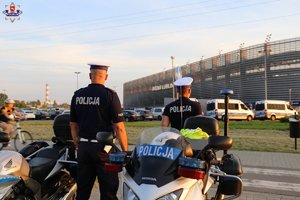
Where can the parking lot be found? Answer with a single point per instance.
(41, 114)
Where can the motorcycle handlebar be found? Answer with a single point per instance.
(128, 152)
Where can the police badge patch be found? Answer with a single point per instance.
(12, 12)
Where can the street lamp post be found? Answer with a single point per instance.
(266, 51)
(240, 60)
(173, 76)
(77, 73)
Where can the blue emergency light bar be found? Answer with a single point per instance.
(191, 162)
(118, 157)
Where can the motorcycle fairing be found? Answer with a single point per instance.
(144, 167)
(191, 188)
(6, 184)
(13, 163)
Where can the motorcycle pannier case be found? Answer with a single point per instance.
(61, 127)
(231, 165)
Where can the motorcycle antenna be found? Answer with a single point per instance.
(180, 97)
(227, 93)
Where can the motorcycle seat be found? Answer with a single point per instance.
(32, 148)
(207, 124)
(43, 163)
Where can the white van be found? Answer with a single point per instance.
(157, 112)
(237, 110)
(273, 109)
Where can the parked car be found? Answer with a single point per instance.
(28, 114)
(66, 112)
(145, 115)
(54, 112)
(42, 114)
(131, 115)
(157, 112)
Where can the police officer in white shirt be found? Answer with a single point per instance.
(179, 110)
(96, 108)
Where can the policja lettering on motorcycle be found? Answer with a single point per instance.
(158, 151)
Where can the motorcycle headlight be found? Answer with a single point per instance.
(128, 193)
(175, 195)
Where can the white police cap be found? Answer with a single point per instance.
(98, 66)
(184, 82)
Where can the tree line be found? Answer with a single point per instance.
(26, 104)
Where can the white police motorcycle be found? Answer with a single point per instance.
(165, 166)
(40, 170)
(159, 168)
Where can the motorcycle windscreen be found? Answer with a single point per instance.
(155, 164)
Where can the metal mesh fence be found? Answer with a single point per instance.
(269, 70)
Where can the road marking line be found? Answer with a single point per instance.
(272, 172)
(293, 187)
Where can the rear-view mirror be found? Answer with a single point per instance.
(230, 186)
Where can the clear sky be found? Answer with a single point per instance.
(54, 39)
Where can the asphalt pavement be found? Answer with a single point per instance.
(267, 176)
(270, 175)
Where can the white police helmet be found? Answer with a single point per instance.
(163, 137)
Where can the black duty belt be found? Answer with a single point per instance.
(87, 140)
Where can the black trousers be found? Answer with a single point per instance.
(90, 167)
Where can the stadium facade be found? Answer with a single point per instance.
(242, 70)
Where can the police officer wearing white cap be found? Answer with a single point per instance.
(96, 108)
(179, 110)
